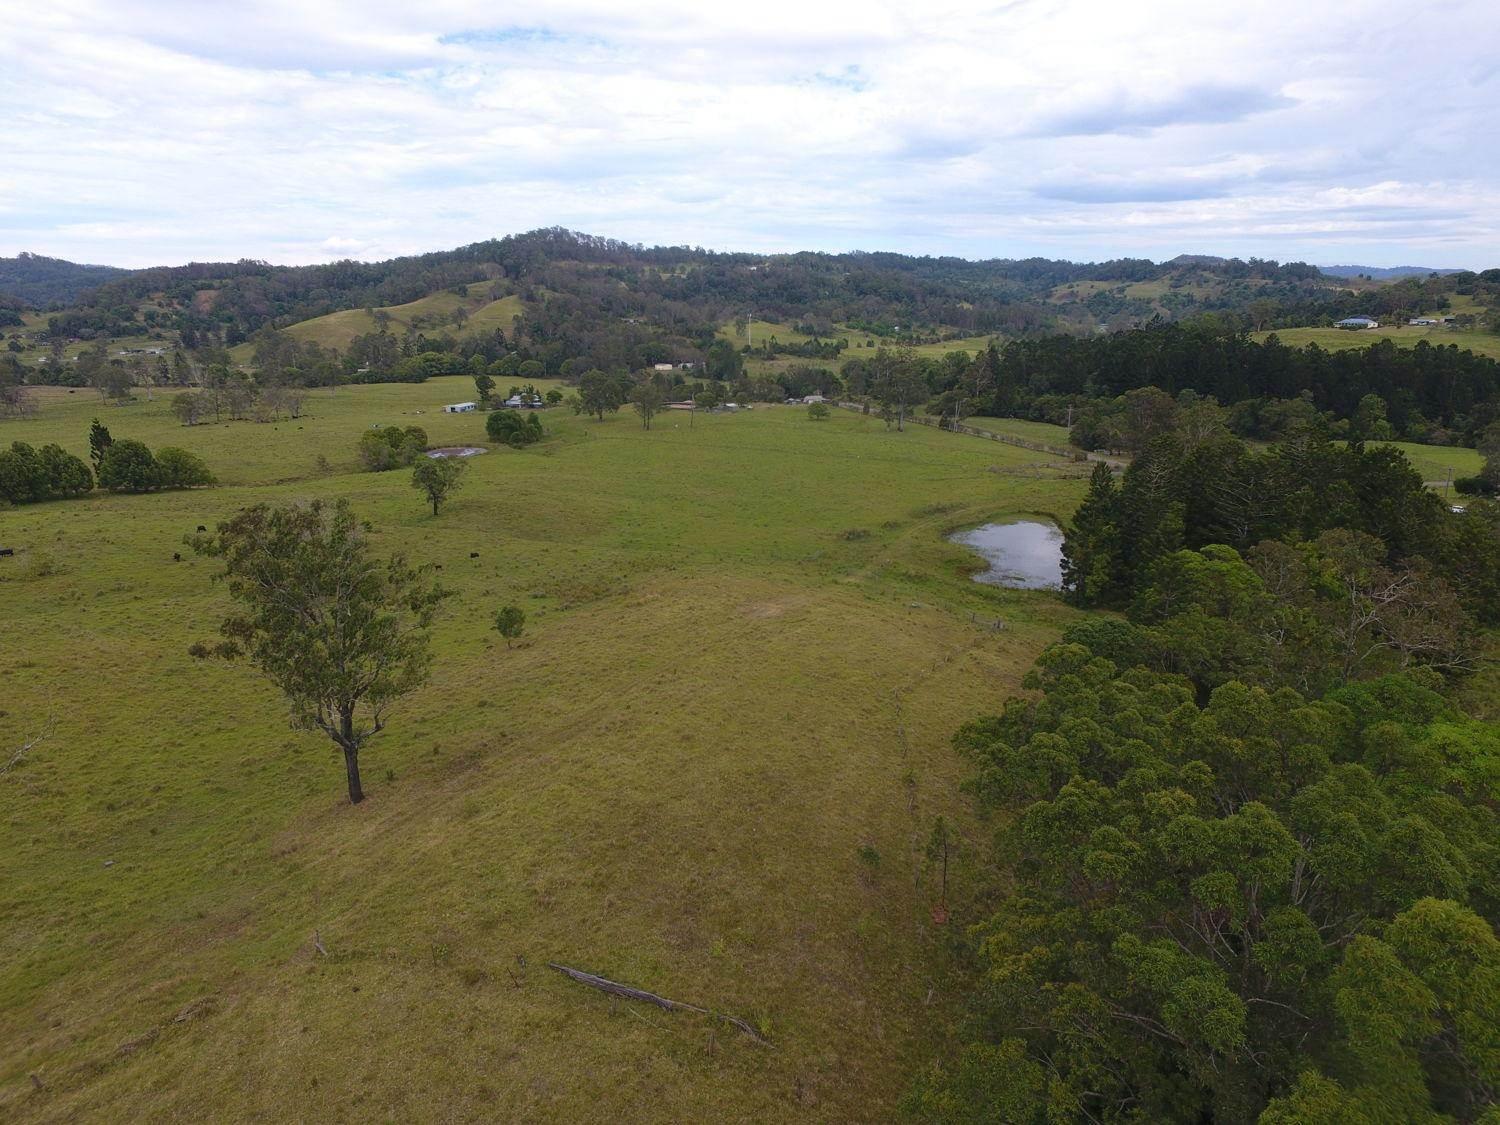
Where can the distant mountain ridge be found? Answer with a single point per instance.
(38, 281)
(1386, 273)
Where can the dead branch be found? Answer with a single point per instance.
(614, 988)
(26, 747)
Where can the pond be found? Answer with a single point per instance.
(1024, 555)
(457, 451)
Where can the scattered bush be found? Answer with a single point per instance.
(1474, 486)
(817, 412)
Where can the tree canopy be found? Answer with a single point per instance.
(342, 634)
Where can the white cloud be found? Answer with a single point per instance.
(142, 133)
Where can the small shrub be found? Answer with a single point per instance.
(854, 534)
(817, 412)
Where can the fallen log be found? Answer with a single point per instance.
(615, 988)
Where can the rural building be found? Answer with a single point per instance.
(523, 402)
(663, 367)
(1422, 321)
(459, 408)
(809, 399)
(682, 405)
(1357, 322)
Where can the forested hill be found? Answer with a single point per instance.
(688, 290)
(33, 281)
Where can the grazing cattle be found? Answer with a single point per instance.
(437, 566)
(5, 552)
(202, 528)
(473, 554)
(176, 556)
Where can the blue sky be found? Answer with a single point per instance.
(150, 133)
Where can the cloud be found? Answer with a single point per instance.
(149, 131)
(1126, 112)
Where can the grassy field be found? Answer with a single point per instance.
(1044, 432)
(1337, 339)
(486, 312)
(747, 649)
(1438, 462)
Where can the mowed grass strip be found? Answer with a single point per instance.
(720, 698)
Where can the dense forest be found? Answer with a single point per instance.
(1251, 842)
(34, 281)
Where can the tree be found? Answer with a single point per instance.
(648, 399)
(817, 412)
(483, 384)
(1489, 448)
(598, 392)
(436, 477)
(898, 384)
(177, 468)
(341, 634)
(15, 399)
(188, 407)
(128, 466)
(391, 447)
(723, 363)
(1091, 548)
(514, 428)
(510, 622)
(99, 441)
(710, 396)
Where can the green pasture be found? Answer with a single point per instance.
(708, 769)
(1337, 339)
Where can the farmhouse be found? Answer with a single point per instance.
(523, 402)
(810, 399)
(1422, 321)
(1357, 322)
(459, 408)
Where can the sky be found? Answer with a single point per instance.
(297, 131)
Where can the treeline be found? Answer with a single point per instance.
(30, 476)
(1190, 489)
(1432, 393)
(685, 293)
